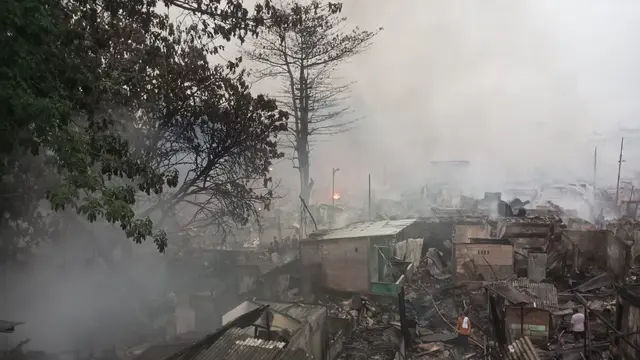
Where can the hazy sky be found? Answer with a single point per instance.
(515, 87)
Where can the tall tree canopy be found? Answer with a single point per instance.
(103, 100)
(304, 52)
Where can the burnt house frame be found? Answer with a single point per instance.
(482, 260)
(628, 322)
(521, 307)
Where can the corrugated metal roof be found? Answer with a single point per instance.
(235, 344)
(364, 229)
(539, 292)
(298, 311)
(232, 342)
(524, 291)
(510, 293)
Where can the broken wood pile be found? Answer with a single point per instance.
(375, 343)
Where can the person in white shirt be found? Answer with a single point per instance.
(577, 325)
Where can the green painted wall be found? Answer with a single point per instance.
(385, 289)
(378, 267)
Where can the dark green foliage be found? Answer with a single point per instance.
(99, 101)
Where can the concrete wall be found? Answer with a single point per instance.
(590, 247)
(588, 241)
(343, 263)
(463, 232)
(618, 256)
(536, 266)
(499, 256)
(600, 248)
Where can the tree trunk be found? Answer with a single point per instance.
(303, 138)
(303, 170)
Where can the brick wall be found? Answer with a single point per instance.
(343, 263)
(499, 256)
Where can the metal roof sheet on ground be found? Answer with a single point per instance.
(297, 311)
(524, 291)
(235, 344)
(364, 229)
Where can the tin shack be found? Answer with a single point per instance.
(357, 258)
(524, 308)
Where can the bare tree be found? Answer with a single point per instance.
(304, 51)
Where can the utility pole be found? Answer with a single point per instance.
(595, 166)
(594, 206)
(619, 169)
(369, 197)
(333, 186)
(384, 176)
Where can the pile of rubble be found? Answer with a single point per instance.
(435, 302)
(374, 327)
(379, 342)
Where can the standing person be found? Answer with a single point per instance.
(464, 329)
(276, 245)
(287, 242)
(357, 305)
(577, 325)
